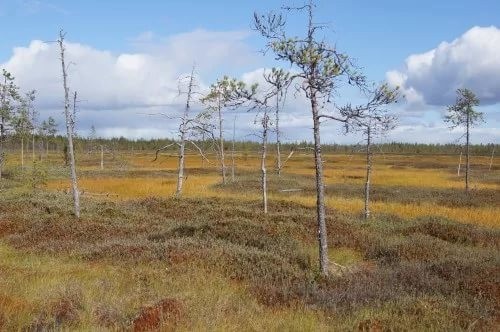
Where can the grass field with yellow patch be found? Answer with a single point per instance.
(140, 258)
(390, 172)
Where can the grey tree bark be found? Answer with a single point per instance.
(233, 163)
(221, 142)
(69, 128)
(102, 157)
(22, 152)
(491, 159)
(368, 172)
(183, 132)
(459, 164)
(467, 157)
(320, 188)
(265, 127)
(278, 136)
(33, 147)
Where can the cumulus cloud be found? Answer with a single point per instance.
(113, 81)
(470, 61)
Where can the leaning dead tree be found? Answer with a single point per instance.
(462, 114)
(70, 124)
(279, 79)
(371, 120)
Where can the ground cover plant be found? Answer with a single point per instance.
(140, 258)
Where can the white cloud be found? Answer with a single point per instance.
(118, 91)
(470, 61)
(113, 81)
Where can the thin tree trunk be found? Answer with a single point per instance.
(203, 147)
(33, 148)
(368, 172)
(221, 145)
(180, 175)
(491, 159)
(467, 165)
(320, 189)
(69, 130)
(263, 162)
(2, 137)
(183, 130)
(22, 152)
(2, 128)
(278, 137)
(459, 164)
(232, 151)
(102, 157)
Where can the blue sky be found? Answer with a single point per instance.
(381, 35)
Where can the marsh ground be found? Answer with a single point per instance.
(140, 258)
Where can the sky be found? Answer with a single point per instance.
(127, 56)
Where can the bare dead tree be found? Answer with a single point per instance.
(188, 128)
(183, 130)
(102, 149)
(70, 124)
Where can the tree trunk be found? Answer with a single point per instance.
(221, 145)
(2, 127)
(278, 138)
(467, 157)
(368, 172)
(33, 148)
(203, 147)
(232, 151)
(69, 131)
(263, 162)
(22, 152)
(320, 190)
(102, 157)
(459, 164)
(180, 174)
(183, 131)
(491, 159)
(2, 137)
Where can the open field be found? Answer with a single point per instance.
(140, 258)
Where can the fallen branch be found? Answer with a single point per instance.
(163, 148)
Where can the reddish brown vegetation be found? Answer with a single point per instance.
(165, 314)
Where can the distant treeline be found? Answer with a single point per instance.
(57, 143)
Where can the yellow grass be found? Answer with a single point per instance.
(45, 278)
(338, 169)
